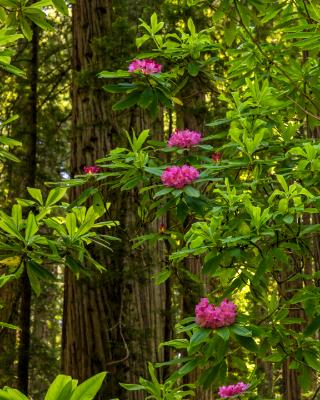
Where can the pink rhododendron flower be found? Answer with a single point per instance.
(178, 177)
(184, 138)
(232, 390)
(147, 67)
(93, 169)
(216, 157)
(211, 316)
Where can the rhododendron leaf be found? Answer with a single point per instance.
(34, 281)
(312, 360)
(13, 394)
(176, 343)
(209, 376)
(89, 388)
(146, 98)
(191, 191)
(188, 367)
(61, 6)
(241, 330)
(117, 74)
(37, 17)
(224, 333)
(41, 272)
(187, 328)
(276, 357)
(60, 388)
(163, 192)
(313, 326)
(9, 141)
(120, 88)
(199, 336)
(128, 102)
(193, 69)
(55, 195)
(98, 204)
(248, 343)
(153, 171)
(9, 326)
(163, 276)
(131, 386)
(35, 194)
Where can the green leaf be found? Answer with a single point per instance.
(200, 336)
(42, 3)
(31, 227)
(224, 333)
(176, 343)
(34, 281)
(188, 367)
(241, 330)
(89, 388)
(191, 191)
(312, 360)
(118, 74)
(4, 154)
(141, 140)
(248, 343)
(36, 194)
(131, 386)
(37, 17)
(98, 204)
(313, 326)
(283, 183)
(61, 6)
(128, 102)
(120, 88)
(6, 39)
(193, 69)
(71, 224)
(276, 357)
(41, 272)
(7, 225)
(14, 394)
(58, 386)
(26, 29)
(55, 195)
(16, 71)
(9, 326)
(162, 192)
(163, 276)
(146, 98)
(191, 27)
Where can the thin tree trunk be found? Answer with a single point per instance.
(31, 126)
(24, 174)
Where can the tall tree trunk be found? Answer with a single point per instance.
(112, 321)
(24, 176)
(31, 125)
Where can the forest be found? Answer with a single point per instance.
(160, 199)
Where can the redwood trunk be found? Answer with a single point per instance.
(112, 321)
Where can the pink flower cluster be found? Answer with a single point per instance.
(93, 169)
(211, 316)
(147, 67)
(178, 177)
(184, 138)
(232, 390)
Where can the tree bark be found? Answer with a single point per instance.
(112, 321)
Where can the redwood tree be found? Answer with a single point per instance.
(112, 321)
